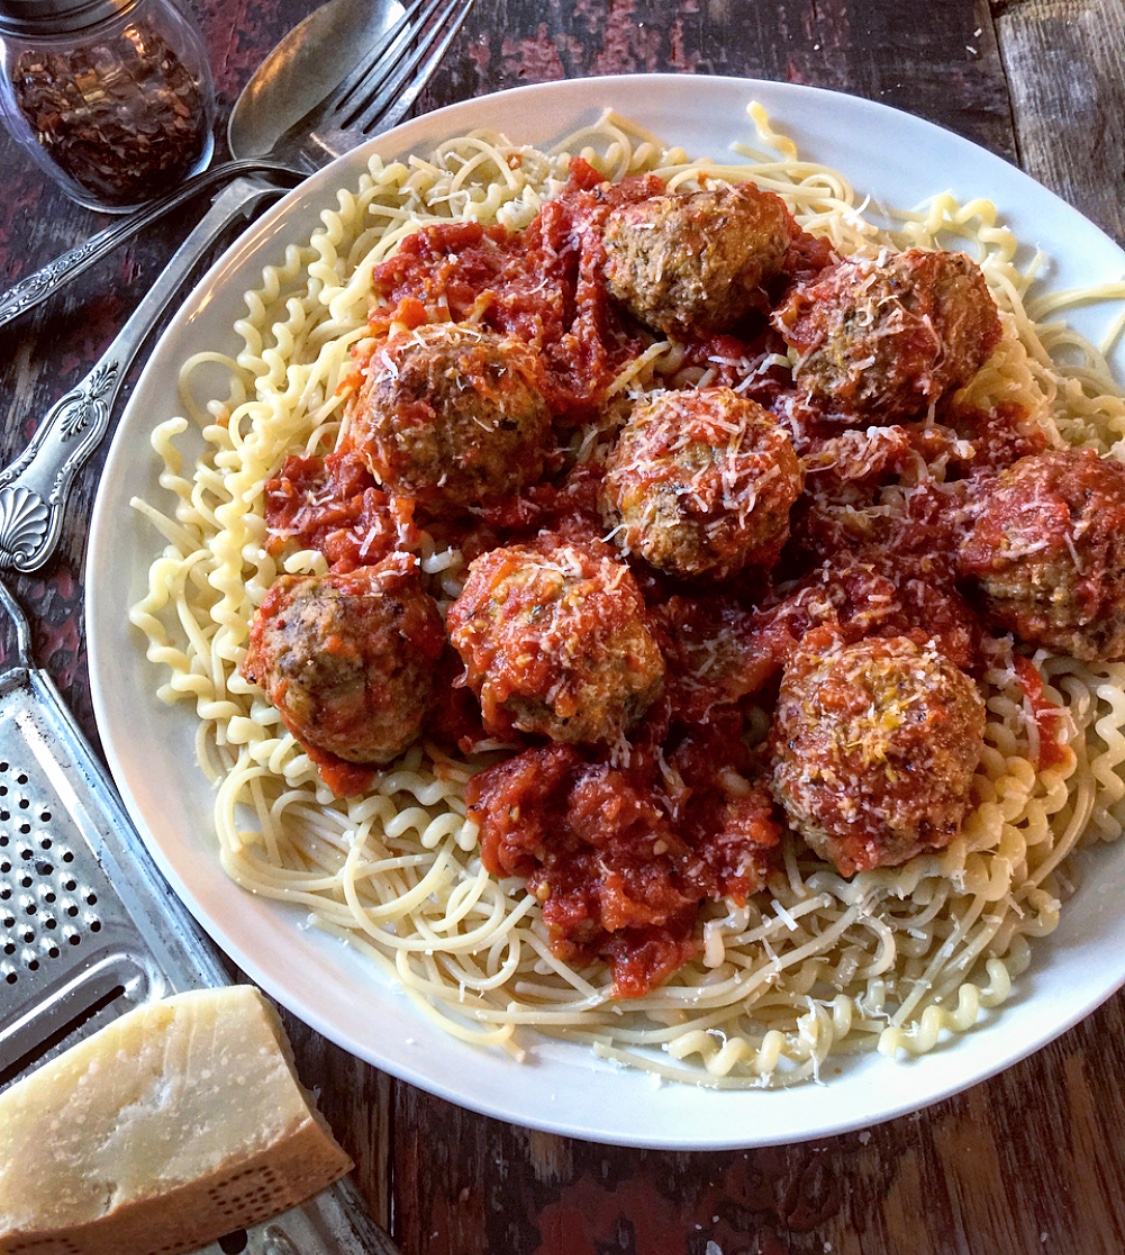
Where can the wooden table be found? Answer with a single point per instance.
(1033, 1160)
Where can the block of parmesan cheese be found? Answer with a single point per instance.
(179, 1122)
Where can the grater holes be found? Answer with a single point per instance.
(33, 933)
(48, 911)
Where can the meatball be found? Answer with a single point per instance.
(874, 748)
(886, 338)
(349, 660)
(701, 483)
(1046, 551)
(554, 641)
(453, 416)
(696, 264)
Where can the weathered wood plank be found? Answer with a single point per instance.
(996, 1171)
(1065, 63)
(941, 63)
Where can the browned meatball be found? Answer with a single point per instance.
(886, 338)
(695, 264)
(453, 416)
(1047, 552)
(554, 641)
(349, 660)
(874, 748)
(701, 483)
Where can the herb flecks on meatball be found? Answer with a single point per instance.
(698, 263)
(554, 641)
(884, 339)
(349, 660)
(701, 483)
(452, 415)
(1046, 551)
(874, 748)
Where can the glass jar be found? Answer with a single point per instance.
(113, 98)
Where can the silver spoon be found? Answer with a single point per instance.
(309, 61)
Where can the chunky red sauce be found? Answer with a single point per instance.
(620, 858)
(1049, 718)
(543, 285)
(622, 847)
(333, 505)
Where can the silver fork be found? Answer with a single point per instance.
(371, 99)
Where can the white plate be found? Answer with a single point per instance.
(150, 747)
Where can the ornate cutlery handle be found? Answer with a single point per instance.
(34, 488)
(43, 283)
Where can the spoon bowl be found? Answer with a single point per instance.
(290, 82)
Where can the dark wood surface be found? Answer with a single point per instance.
(1031, 1161)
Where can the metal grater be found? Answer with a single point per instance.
(89, 929)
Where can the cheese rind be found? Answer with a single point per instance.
(179, 1122)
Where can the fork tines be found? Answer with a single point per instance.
(379, 91)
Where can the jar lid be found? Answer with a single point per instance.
(56, 17)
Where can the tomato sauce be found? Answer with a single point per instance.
(333, 505)
(542, 285)
(617, 879)
(1049, 718)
